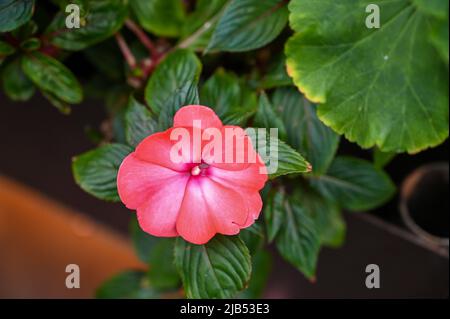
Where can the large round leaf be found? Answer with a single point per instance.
(382, 86)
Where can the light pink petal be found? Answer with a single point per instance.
(158, 214)
(253, 177)
(254, 204)
(194, 222)
(157, 148)
(136, 179)
(226, 206)
(202, 115)
(237, 150)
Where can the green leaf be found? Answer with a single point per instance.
(276, 75)
(161, 17)
(99, 20)
(280, 158)
(187, 94)
(14, 13)
(386, 87)
(5, 50)
(248, 24)
(163, 273)
(96, 171)
(16, 84)
(274, 212)
(355, 184)
(62, 106)
(176, 71)
(106, 57)
(253, 237)
(298, 240)
(305, 132)
(437, 8)
(52, 76)
(439, 36)
(219, 269)
(143, 243)
(267, 117)
(221, 92)
(326, 215)
(139, 122)
(126, 285)
(381, 159)
(31, 44)
(261, 267)
(200, 24)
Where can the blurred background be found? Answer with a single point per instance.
(48, 222)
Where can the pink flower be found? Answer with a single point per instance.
(201, 195)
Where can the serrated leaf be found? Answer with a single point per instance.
(382, 86)
(305, 132)
(96, 171)
(52, 76)
(261, 267)
(355, 184)
(143, 243)
(5, 50)
(186, 94)
(162, 273)
(174, 72)
(221, 92)
(326, 215)
(200, 24)
(161, 17)
(16, 84)
(139, 122)
(298, 240)
(381, 159)
(219, 269)
(126, 285)
(267, 117)
(248, 24)
(253, 237)
(99, 20)
(276, 75)
(274, 212)
(280, 158)
(15, 13)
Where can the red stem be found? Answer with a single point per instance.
(128, 55)
(140, 34)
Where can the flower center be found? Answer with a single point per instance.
(197, 170)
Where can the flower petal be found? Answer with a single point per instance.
(253, 177)
(237, 150)
(157, 148)
(194, 223)
(226, 206)
(158, 214)
(254, 205)
(136, 179)
(186, 116)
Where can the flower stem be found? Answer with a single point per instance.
(128, 55)
(143, 38)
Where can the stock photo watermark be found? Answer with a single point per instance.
(73, 279)
(230, 145)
